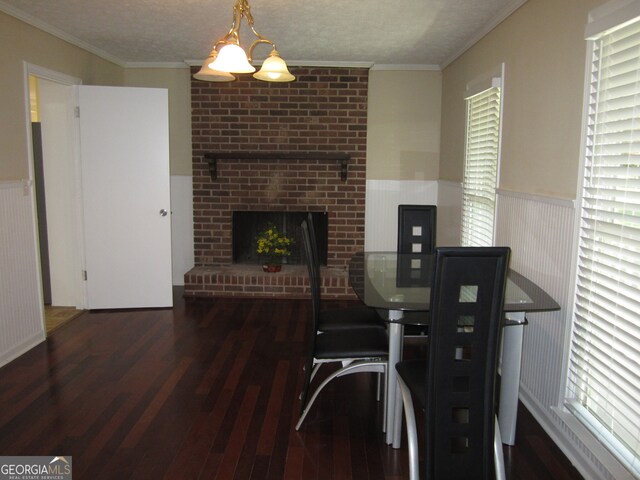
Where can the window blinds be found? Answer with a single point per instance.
(604, 373)
(481, 168)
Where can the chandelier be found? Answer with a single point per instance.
(228, 57)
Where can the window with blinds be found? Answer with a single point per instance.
(604, 374)
(481, 166)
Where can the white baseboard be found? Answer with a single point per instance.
(24, 346)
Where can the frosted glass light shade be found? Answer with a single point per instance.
(232, 58)
(206, 74)
(274, 69)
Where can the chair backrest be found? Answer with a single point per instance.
(314, 241)
(467, 299)
(313, 269)
(416, 228)
(315, 312)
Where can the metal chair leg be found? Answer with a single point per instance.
(351, 368)
(412, 433)
(384, 405)
(498, 454)
(314, 371)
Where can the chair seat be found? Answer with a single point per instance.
(416, 331)
(416, 324)
(354, 343)
(348, 318)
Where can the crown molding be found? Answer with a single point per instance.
(320, 63)
(389, 66)
(40, 25)
(184, 64)
(294, 63)
(303, 63)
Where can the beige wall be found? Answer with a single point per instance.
(403, 131)
(542, 45)
(178, 82)
(20, 42)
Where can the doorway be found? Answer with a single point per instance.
(107, 193)
(55, 174)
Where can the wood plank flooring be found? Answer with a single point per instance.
(207, 390)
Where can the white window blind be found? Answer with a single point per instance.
(481, 167)
(604, 367)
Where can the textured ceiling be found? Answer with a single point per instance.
(380, 32)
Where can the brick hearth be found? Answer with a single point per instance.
(324, 111)
(250, 280)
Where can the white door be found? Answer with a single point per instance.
(124, 151)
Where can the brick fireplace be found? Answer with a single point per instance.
(289, 139)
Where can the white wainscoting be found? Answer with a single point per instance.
(539, 231)
(21, 305)
(381, 214)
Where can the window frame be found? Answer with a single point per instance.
(609, 16)
(492, 78)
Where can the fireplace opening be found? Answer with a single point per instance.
(247, 225)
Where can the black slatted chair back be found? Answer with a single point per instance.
(466, 310)
(314, 274)
(416, 235)
(315, 298)
(314, 241)
(416, 228)
(337, 318)
(360, 348)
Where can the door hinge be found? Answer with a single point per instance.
(84, 275)
(76, 112)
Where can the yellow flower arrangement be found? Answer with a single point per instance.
(272, 244)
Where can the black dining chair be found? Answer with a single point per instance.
(417, 236)
(416, 228)
(455, 385)
(355, 349)
(359, 316)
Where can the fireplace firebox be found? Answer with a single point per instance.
(248, 224)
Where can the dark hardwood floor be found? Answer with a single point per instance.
(207, 390)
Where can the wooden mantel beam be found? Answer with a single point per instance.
(213, 157)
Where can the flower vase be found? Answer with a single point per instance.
(271, 267)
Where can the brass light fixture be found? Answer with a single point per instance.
(228, 57)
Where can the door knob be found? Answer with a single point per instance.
(163, 212)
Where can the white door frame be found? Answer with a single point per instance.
(63, 79)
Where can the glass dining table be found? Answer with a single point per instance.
(398, 283)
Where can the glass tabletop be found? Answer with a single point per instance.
(394, 281)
